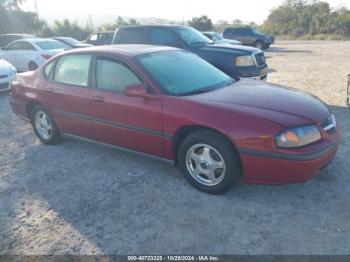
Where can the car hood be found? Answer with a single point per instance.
(282, 105)
(229, 48)
(228, 41)
(82, 45)
(6, 68)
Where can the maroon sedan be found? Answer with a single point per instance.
(171, 104)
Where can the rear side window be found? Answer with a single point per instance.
(73, 69)
(133, 36)
(114, 76)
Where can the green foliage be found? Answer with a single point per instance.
(118, 23)
(11, 4)
(67, 28)
(202, 23)
(305, 19)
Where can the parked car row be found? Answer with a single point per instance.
(234, 60)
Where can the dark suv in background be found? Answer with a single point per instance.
(236, 61)
(249, 36)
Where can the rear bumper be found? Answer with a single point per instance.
(19, 108)
(270, 168)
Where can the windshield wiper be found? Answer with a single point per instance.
(199, 91)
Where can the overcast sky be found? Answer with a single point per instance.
(245, 10)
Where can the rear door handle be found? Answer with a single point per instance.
(48, 90)
(97, 99)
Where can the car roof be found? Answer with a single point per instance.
(24, 35)
(61, 37)
(35, 40)
(125, 50)
(150, 26)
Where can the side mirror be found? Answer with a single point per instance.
(137, 90)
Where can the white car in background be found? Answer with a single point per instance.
(29, 54)
(7, 74)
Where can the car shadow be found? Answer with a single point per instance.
(121, 203)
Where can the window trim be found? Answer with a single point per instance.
(119, 61)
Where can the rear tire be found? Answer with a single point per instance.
(44, 126)
(32, 66)
(209, 162)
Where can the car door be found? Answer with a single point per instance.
(10, 54)
(130, 122)
(67, 93)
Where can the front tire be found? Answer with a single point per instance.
(209, 162)
(259, 44)
(44, 126)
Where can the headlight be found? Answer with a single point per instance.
(246, 60)
(298, 136)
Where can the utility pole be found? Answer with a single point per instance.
(36, 8)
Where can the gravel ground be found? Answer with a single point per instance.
(80, 198)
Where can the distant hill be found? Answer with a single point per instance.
(98, 20)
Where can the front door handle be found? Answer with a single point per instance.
(97, 99)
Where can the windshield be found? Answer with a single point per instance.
(182, 73)
(192, 37)
(217, 36)
(51, 44)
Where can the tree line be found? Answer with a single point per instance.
(309, 19)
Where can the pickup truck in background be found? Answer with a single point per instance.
(236, 61)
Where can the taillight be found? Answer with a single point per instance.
(46, 56)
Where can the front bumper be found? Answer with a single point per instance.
(5, 86)
(270, 170)
(266, 167)
(250, 72)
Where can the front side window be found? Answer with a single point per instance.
(114, 76)
(14, 46)
(93, 37)
(183, 73)
(73, 69)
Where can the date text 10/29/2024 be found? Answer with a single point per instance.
(173, 258)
